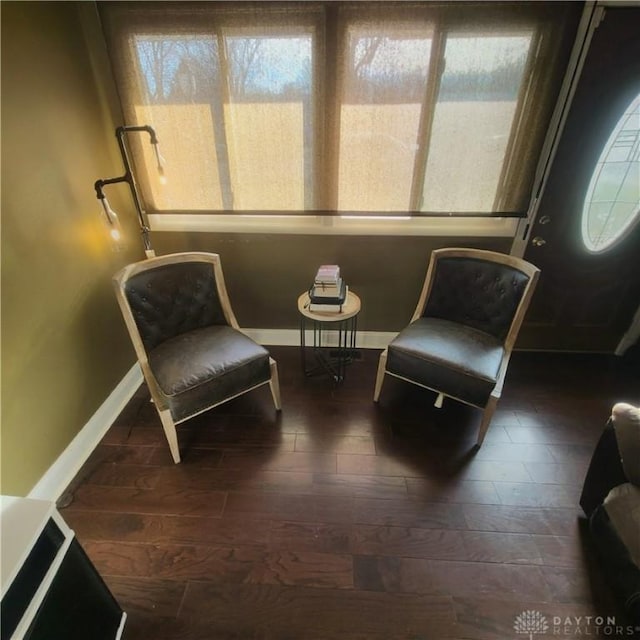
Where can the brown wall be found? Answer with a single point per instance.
(64, 348)
(266, 273)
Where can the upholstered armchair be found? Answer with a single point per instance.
(464, 327)
(611, 501)
(191, 350)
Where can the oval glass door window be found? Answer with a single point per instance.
(612, 204)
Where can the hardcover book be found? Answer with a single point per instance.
(327, 274)
(324, 290)
(325, 298)
(326, 307)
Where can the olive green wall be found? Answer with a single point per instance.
(64, 348)
(266, 273)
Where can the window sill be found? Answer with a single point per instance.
(334, 225)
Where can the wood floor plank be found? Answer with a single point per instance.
(305, 536)
(567, 472)
(574, 585)
(135, 434)
(444, 544)
(240, 479)
(409, 513)
(527, 494)
(511, 548)
(407, 542)
(162, 529)
(240, 431)
(440, 577)
(551, 435)
(291, 482)
(125, 475)
(494, 471)
(509, 452)
(225, 565)
(515, 519)
(143, 627)
(313, 462)
(561, 551)
(147, 595)
(362, 486)
(294, 613)
(363, 445)
(479, 618)
(344, 519)
(300, 508)
(159, 500)
(121, 454)
(376, 465)
(580, 453)
(201, 457)
(463, 491)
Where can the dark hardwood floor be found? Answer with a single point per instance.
(344, 519)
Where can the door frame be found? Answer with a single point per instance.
(592, 15)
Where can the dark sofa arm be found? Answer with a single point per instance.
(616, 562)
(605, 471)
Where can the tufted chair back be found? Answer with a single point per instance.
(463, 329)
(476, 293)
(190, 348)
(173, 299)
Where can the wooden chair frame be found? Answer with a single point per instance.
(531, 271)
(120, 280)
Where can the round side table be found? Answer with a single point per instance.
(332, 358)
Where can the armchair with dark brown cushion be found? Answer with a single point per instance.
(191, 350)
(611, 501)
(463, 329)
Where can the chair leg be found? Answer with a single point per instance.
(382, 367)
(170, 432)
(274, 384)
(486, 419)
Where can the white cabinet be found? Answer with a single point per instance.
(49, 587)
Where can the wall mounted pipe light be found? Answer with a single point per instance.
(128, 177)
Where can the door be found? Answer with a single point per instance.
(586, 299)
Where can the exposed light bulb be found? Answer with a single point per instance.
(108, 211)
(113, 222)
(160, 164)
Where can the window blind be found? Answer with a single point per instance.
(359, 108)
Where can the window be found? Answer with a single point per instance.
(224, 107)
(612, 203)
(350, 108)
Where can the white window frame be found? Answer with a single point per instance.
(458, 226)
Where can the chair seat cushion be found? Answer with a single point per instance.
(203, 367)
(447, 357)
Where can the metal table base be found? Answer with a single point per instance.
(331, 359)
(333, 337)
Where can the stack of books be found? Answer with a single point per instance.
(329, 290)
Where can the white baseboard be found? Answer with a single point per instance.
(65, 468)
(291, 338)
